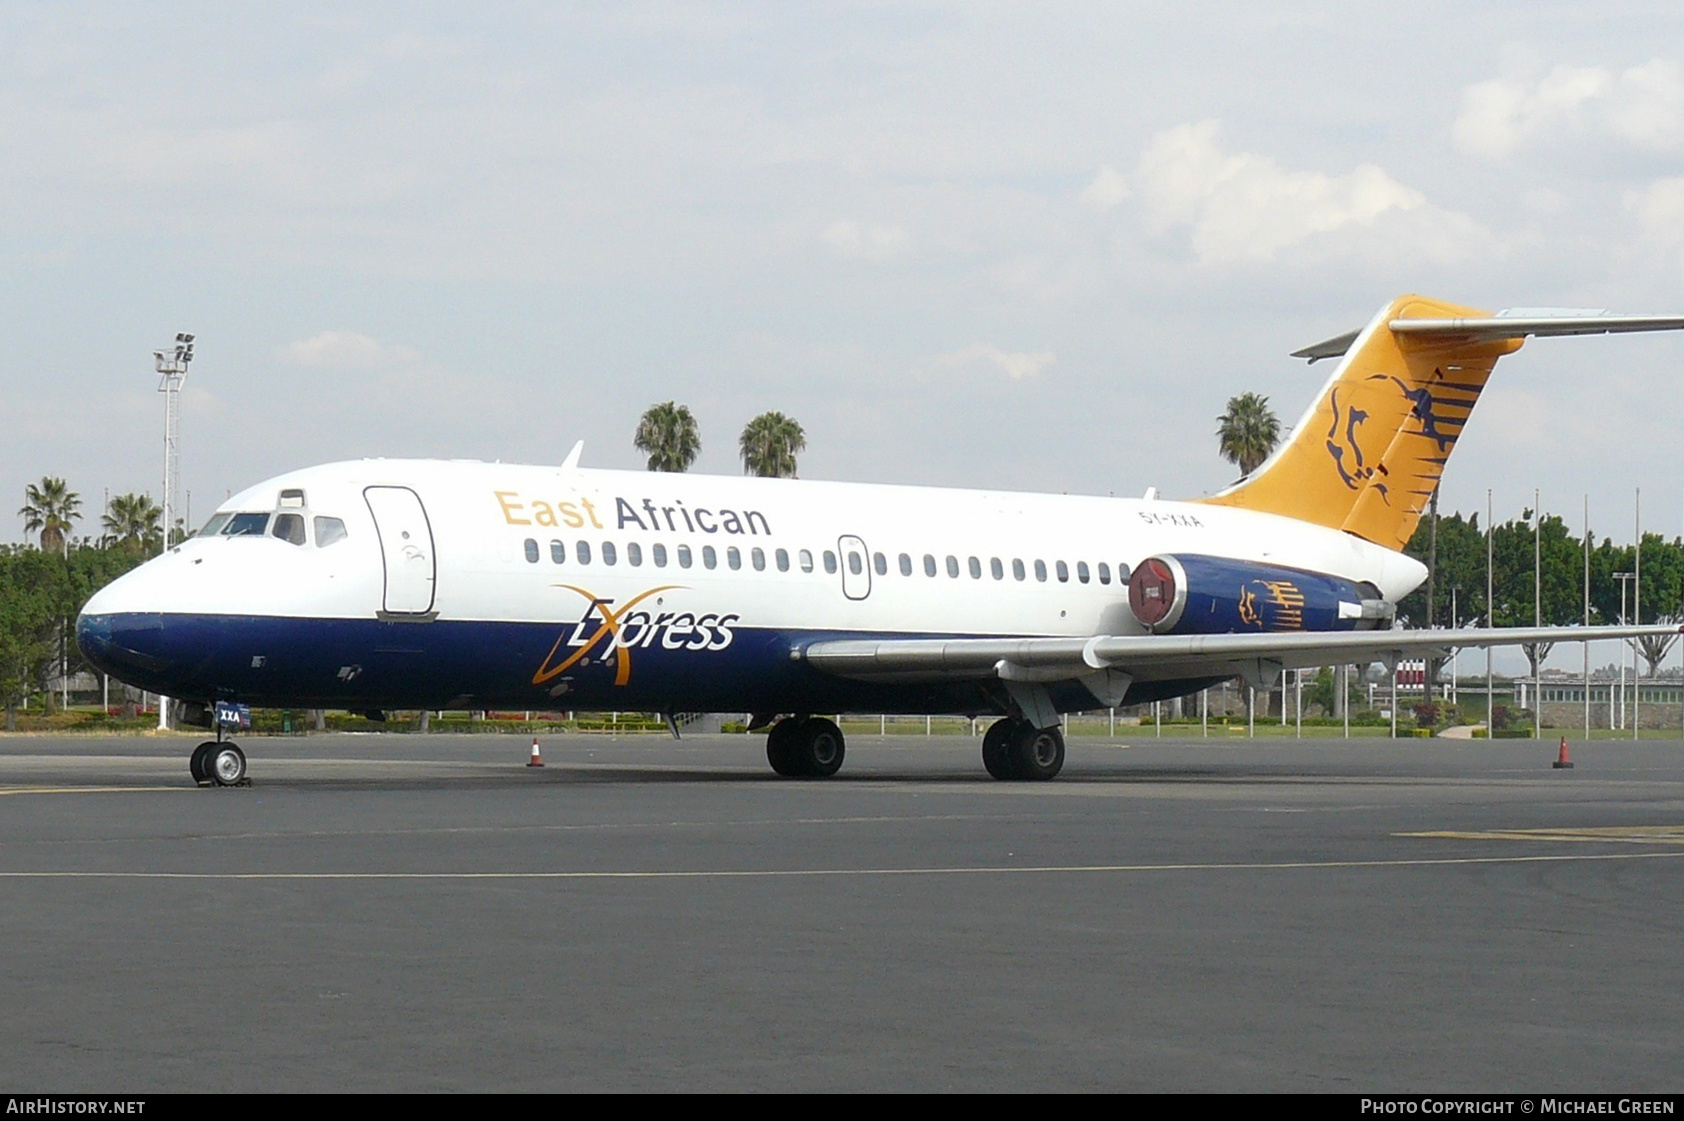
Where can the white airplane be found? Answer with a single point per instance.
(425, 584)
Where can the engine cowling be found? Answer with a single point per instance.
(1194, 594)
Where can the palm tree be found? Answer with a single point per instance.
(134, 523)
(52, 508)
(1248, 431)
(667, 435)
(769, 444)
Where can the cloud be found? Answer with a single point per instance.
(1245, 207)
(1642, 106)
(1109, 188)
(1015, 364)
(854, 241)
(1659, 209)
(347, 350)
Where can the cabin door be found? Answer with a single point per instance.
(406, 546)
(856, 567)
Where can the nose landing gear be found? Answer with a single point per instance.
(215, 763)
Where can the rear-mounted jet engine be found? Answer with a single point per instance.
(1192, 594)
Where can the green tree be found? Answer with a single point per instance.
(1248, 431)
(41, 593)
(51, 509)
(1461, 569)
(32, 596)
(134, 522)
(1658, 599)
(769, 444)
(1519, 566)
(667, 434)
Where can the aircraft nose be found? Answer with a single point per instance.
(93, 638)
(129, 647)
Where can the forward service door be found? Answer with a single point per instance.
(406, 545)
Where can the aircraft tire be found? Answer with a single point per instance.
(820, 747)
(226, 765)
(996, 749)
(1036, 754)
(198, 763)
(781, 748)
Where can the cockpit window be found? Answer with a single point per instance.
(289, 528)
(329, 531)
(214, 526)
(246, 525)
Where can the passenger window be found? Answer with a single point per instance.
(855, 564)
(929, 565)
(558, 552)
(610, 555)
(659, 552)
(1122, 573)
(879, 564)
(1017, 568)
(806, 561)
(996, 569)
(531, 551)
(783, 560)
(710, 559)
(757, 557)
(289, 528)
(976, 569)
(1104, 573)
(684, 556)
(733, 558)
(214, 526)
(583, 551)
(246, 525)
(905, 565)
(329, 531)
(634, 554)
(1062, 571)
(830, 562)
(1082, 571)
(952, 567)
(1041, 571)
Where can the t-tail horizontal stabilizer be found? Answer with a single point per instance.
(1369, 452)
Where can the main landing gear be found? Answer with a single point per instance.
(215, 763)
(805, 747)
(1016, 749)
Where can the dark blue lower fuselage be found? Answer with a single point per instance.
(361, 664)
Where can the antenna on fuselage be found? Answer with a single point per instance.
(572, 459)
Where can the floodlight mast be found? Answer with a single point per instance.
(172, 371)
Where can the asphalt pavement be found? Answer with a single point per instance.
(409, 912)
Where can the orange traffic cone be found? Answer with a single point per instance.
(537, 760)
(1561, 761)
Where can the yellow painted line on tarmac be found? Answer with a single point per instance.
(831, 873)
(9, 790)
(1622, 834)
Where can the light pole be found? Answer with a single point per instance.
(1624, 578)
(172, 371)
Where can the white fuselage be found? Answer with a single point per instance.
(683, 566)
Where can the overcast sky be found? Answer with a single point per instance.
(1028, 246)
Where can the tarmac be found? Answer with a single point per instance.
(409, 912)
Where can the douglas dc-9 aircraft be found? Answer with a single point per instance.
(424, 584)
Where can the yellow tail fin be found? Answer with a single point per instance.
(1368, 454)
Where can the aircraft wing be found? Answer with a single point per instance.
(1162, 657)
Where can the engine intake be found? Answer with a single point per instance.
(1193, 594)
